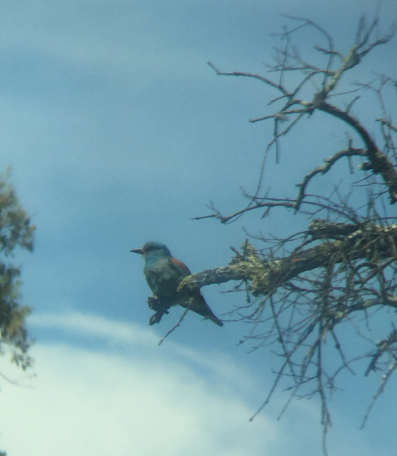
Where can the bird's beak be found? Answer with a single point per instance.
(140, 251)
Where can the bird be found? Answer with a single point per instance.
(164, 274)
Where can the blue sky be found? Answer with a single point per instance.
(117, 132)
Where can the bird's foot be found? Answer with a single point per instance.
(159, 306)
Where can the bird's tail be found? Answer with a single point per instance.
(197, 304)
(215, 319)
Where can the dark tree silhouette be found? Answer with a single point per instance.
(310, 292)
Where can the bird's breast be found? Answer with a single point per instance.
(162, 279)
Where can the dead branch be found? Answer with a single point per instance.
(358, 243)
(308, 285)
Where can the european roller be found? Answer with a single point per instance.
(163, 275)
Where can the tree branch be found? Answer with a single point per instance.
(267, 275)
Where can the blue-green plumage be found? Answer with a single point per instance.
(163, 275)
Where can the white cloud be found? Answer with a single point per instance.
(120, 393)
(101, 402)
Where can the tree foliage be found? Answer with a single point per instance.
(15, 231)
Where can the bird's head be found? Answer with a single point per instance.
(153, 249)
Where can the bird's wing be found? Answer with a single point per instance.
(197, 304)
(181, 266)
